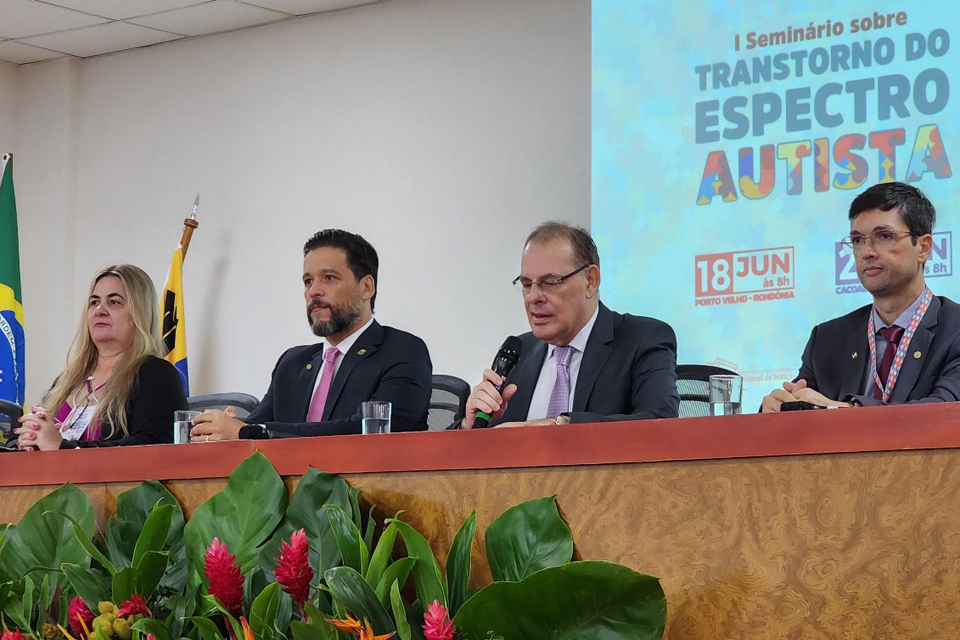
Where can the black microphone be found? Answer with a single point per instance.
(504, 362)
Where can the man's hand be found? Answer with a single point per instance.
(214, 424)
(487, 399)
(793, 391)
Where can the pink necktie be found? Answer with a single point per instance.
(315, 414)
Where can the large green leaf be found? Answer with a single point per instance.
(263, 612)
(242, 516)
(154, 533)
(382, 554)
(572, 601)
(149, 625)
(349, 540)
(397, 572)
(458, 564)
(48, 540)
(141, 580)
(89, 584)
(314, 490)
(426, 572)
(123, 532)
(527, 538)
(353, 592)
(399, 613)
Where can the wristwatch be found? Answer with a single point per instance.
(562, 419)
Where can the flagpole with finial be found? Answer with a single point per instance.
(189, 224)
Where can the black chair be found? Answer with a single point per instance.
(448, 402)
(9, 412)
(692, 388)
(243, 402)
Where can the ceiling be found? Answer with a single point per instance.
(35, 30)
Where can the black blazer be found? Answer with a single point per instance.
(383, 364)
(836, 361)
(628, 371)
(157, 392)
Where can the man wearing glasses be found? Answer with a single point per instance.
(581, 362)
(902, 348)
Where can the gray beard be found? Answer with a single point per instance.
(342, 317)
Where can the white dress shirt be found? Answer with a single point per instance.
(540, 401)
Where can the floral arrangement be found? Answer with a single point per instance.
(313, 567)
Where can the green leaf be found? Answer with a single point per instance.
(86, 542)
(369, 532)
(426, 572)
(396, 572)
(149, 625)
(213, 603)
(349, 587)
(26, 600)
(399, 612)
(124, 584)
(207, 627)
(321, 631)
(153, 564)
(526, 538)
(123, 533)
(458, 564)
(314, 490)
(237, 516)
(39, 541)
(88, 583)
(576, 600)
(154, 533)
(348, 537)
(382, 554)
(263, 612)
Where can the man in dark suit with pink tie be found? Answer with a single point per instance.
(318, 389)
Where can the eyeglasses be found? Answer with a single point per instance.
(523, 285)
(881, 239)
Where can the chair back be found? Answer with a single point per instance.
(693, 389)
(9, 412)
(244, 402)
(448, 402)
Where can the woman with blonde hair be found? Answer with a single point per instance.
(116, 389)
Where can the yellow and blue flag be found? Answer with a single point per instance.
(174, 327)
(11, 300)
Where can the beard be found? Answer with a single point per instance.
(342, 317)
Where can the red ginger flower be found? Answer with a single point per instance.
(12, 635)
(136, 604)
(78, 610)
(293, 568)
(226, 583)
(437, 624)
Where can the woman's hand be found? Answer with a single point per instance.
(38, 431)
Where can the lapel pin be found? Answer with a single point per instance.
(916, 355)
(853, 356)
(361, 352)
(309, 366)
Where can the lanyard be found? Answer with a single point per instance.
(901, 349)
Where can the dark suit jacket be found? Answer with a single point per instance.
(383, 364)
(628, 372)
(830, 367)
(156, 393)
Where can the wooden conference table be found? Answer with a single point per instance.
(818, 524)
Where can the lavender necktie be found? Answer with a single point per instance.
(560, 397)
(315, 414)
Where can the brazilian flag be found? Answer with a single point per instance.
(11, 301)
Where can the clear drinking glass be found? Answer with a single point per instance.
(182, 423)
(725, 394)
(376, 416)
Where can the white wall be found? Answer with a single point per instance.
(8, 106)
(441, 130)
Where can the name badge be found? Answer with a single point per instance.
(76, 422)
